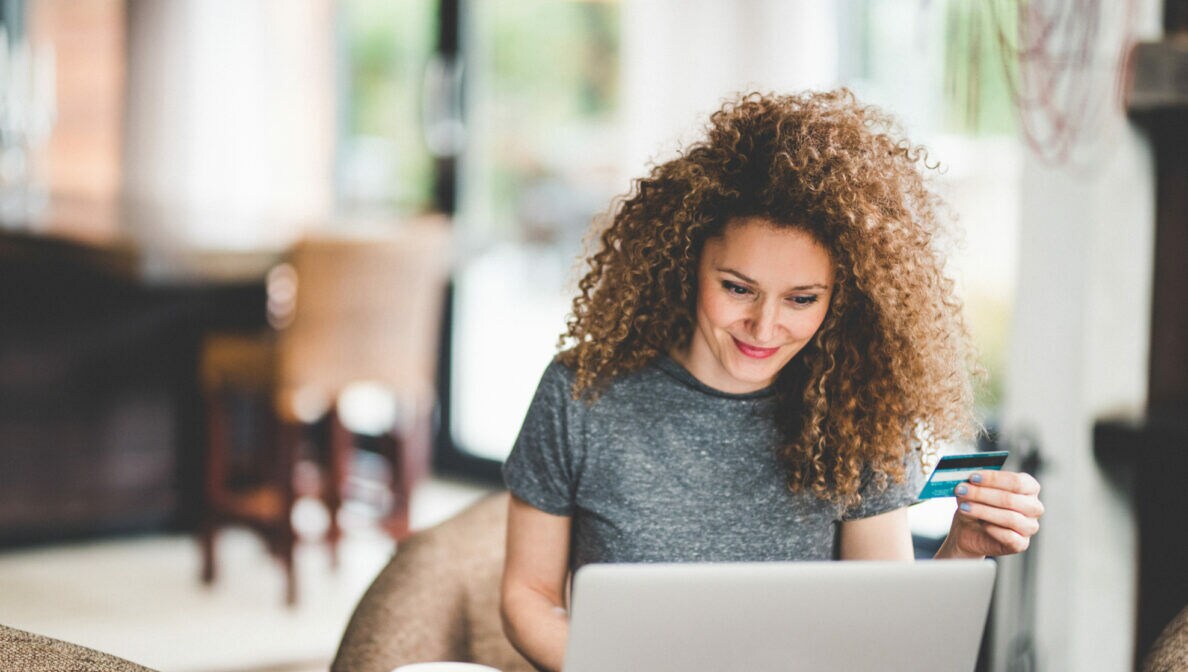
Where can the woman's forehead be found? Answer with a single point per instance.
(768, 252)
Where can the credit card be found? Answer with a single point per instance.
(953, 469)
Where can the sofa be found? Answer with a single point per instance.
(27, 652)
(437, 599)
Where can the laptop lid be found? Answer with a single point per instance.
(768, 617)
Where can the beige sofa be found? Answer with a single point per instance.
(438, 599)
(1169, 653)
(27, 652)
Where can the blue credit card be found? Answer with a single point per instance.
(954, 469)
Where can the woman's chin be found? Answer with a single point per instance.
(753, 375)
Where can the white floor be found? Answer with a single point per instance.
(141, 598)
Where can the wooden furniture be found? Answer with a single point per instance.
(438, 599)
(256, 487)
(356, 317)
(100, 428)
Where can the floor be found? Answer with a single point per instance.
(140, 598)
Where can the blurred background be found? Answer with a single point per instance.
(296, 266)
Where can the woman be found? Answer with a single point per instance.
(762, 355)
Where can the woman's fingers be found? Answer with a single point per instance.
(1028, 505)
(1011, 541)
(1009, 519)
(1014, 481)
(999, 511)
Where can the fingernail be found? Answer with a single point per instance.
(976, 478)
(961, 489)
(965, 506)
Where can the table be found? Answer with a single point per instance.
(102, 310)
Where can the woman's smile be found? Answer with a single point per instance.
(754, 351)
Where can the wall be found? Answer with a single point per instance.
(230, 118)
(83, 155)
(681, 58)
(1078, 354)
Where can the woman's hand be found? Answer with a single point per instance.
(997, 514)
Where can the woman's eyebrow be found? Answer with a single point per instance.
(798, 288)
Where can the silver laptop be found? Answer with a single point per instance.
(769, 617)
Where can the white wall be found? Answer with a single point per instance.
(681, 58)
(1078, 354)
(230, 118)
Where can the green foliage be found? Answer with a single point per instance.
(551, 80)
(977, 86)
(387, 45)
(564, 56)
(541, 67)
(989, 318)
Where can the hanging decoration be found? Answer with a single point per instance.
(1065, 62)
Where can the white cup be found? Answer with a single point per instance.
(444, 667)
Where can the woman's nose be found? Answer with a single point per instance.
(763, 322)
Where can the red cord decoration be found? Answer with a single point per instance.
(1052, 53)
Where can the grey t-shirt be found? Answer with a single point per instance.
(662, 468)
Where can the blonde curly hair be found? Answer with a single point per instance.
(887, 373)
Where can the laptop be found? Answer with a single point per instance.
(769, 617)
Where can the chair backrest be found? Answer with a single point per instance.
(367, 308)
(438, 599)
(27, 652)
(1169, 653)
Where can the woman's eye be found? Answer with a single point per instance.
(804, 300)
(734, 288)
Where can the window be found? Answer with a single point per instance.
(542, 160)
(383, 163)
(955, 101)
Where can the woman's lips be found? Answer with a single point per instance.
(752, 351)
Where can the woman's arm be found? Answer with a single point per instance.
(882, 537)
(533, 591)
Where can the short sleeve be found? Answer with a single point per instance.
(540, 468)
(877, 500)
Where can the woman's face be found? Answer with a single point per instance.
(763, 292)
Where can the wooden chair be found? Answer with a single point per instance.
(253, 487)
(352, 310)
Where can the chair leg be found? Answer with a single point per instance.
(288, 435)
(214, 462)
(208, 550)
(402, 477)
(287, 553)
(409, 449)
(341, 449)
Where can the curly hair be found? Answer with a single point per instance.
(888, 372)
